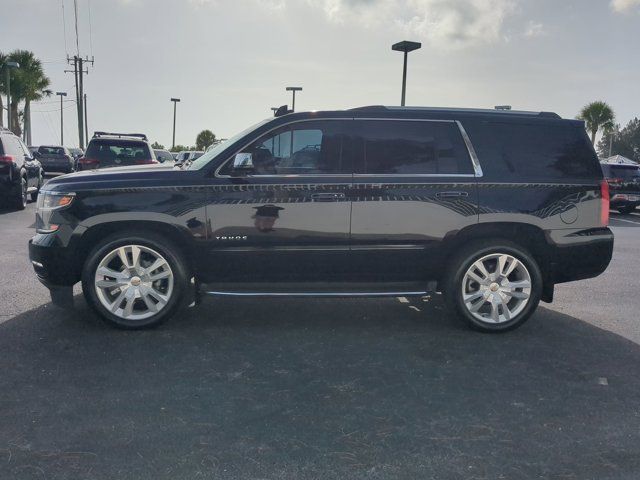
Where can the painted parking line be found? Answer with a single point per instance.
(615, 219)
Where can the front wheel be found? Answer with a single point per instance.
(21, 197)
(34, 195)
(493, 285)
(137, 281)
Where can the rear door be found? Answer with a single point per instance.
(288, 218)
(414, 185)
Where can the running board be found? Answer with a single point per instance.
(319, 289)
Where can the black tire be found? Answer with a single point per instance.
(34, 195)
(626, 210)
(462, 261)
(21, 197)
(157, 243)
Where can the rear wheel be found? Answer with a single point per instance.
(21, 197)
(493, 285)
(137, 281)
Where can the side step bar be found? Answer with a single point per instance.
(319, 289)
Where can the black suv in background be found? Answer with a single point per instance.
(20, 173)
(624, 185)
(117, 150)
(56, 159)
(493, 209)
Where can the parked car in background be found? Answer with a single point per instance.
(491, 208)
(56, 159)
(188, 155)
(117, 150)
(33, 149)
(21, 174)
(623, 176)
(163, 156)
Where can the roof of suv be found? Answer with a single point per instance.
(484, 111)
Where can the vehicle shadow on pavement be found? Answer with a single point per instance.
(294, 389)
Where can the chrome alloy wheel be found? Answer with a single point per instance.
(134, 282)
(496, 288)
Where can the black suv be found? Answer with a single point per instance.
(20, 173)
(624, 185)
(117, 150)
(490, 208)
(56, 159)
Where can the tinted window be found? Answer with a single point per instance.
(51, 150)
(621, 172)
(12, 146)
(115, 152)
(533, 152)
(411, 147)
(304, 148)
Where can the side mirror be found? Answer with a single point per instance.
(243, 161)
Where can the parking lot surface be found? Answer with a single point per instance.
(306, 389)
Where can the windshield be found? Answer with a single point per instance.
(215, 151)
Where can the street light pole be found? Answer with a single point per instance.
(175, 102)
(406, 47)
(62, 95)
(8, 67)
(293, 90)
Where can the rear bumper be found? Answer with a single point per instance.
(586, 254)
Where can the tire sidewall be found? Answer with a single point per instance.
(471, 254)
(155, 242)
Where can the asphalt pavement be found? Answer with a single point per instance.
(320, 388)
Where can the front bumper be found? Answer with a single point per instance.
(54, 265)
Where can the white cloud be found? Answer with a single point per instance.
(622, 6)
(446, 23)
(535, 30)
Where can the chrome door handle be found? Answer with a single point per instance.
(327, 197)
(451, 194)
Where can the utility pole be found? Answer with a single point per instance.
(86, 122)
(175, 102)
(79, 71)
(62, 95)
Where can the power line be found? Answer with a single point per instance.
(90, 29)
(75, 9)
(64, 28)
(54, 110)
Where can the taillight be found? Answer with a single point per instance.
(88, 162)
(604, 203)
(145, 161)
(6, 159)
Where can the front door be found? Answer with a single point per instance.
(414, 185)
(287, 219)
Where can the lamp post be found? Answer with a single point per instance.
(406, 47)
(293, 90)
(62, 95)
(8, 66)
(274, 109)
(175, 102)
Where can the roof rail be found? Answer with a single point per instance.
(119, 135)
(379, 108)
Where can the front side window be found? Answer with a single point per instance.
(305, 148)
(396, 147)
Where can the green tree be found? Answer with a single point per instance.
(626, 142)
(597, 116)
(204, 139)
(3, 60)
(179, 148)
(157, 146)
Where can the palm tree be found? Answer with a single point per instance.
(204, 139)
(3, 59)
(597, 115)
(28, 84)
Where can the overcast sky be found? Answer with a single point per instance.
(230, 60)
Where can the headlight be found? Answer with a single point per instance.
(54, 200)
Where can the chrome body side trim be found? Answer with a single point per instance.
(472, 153)
(315, 294)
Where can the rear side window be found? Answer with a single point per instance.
(410, 148)
(533, 152)
(110, 152)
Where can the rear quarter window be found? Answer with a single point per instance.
(525, 152)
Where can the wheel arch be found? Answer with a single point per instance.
(530, 237)
(178, 237)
